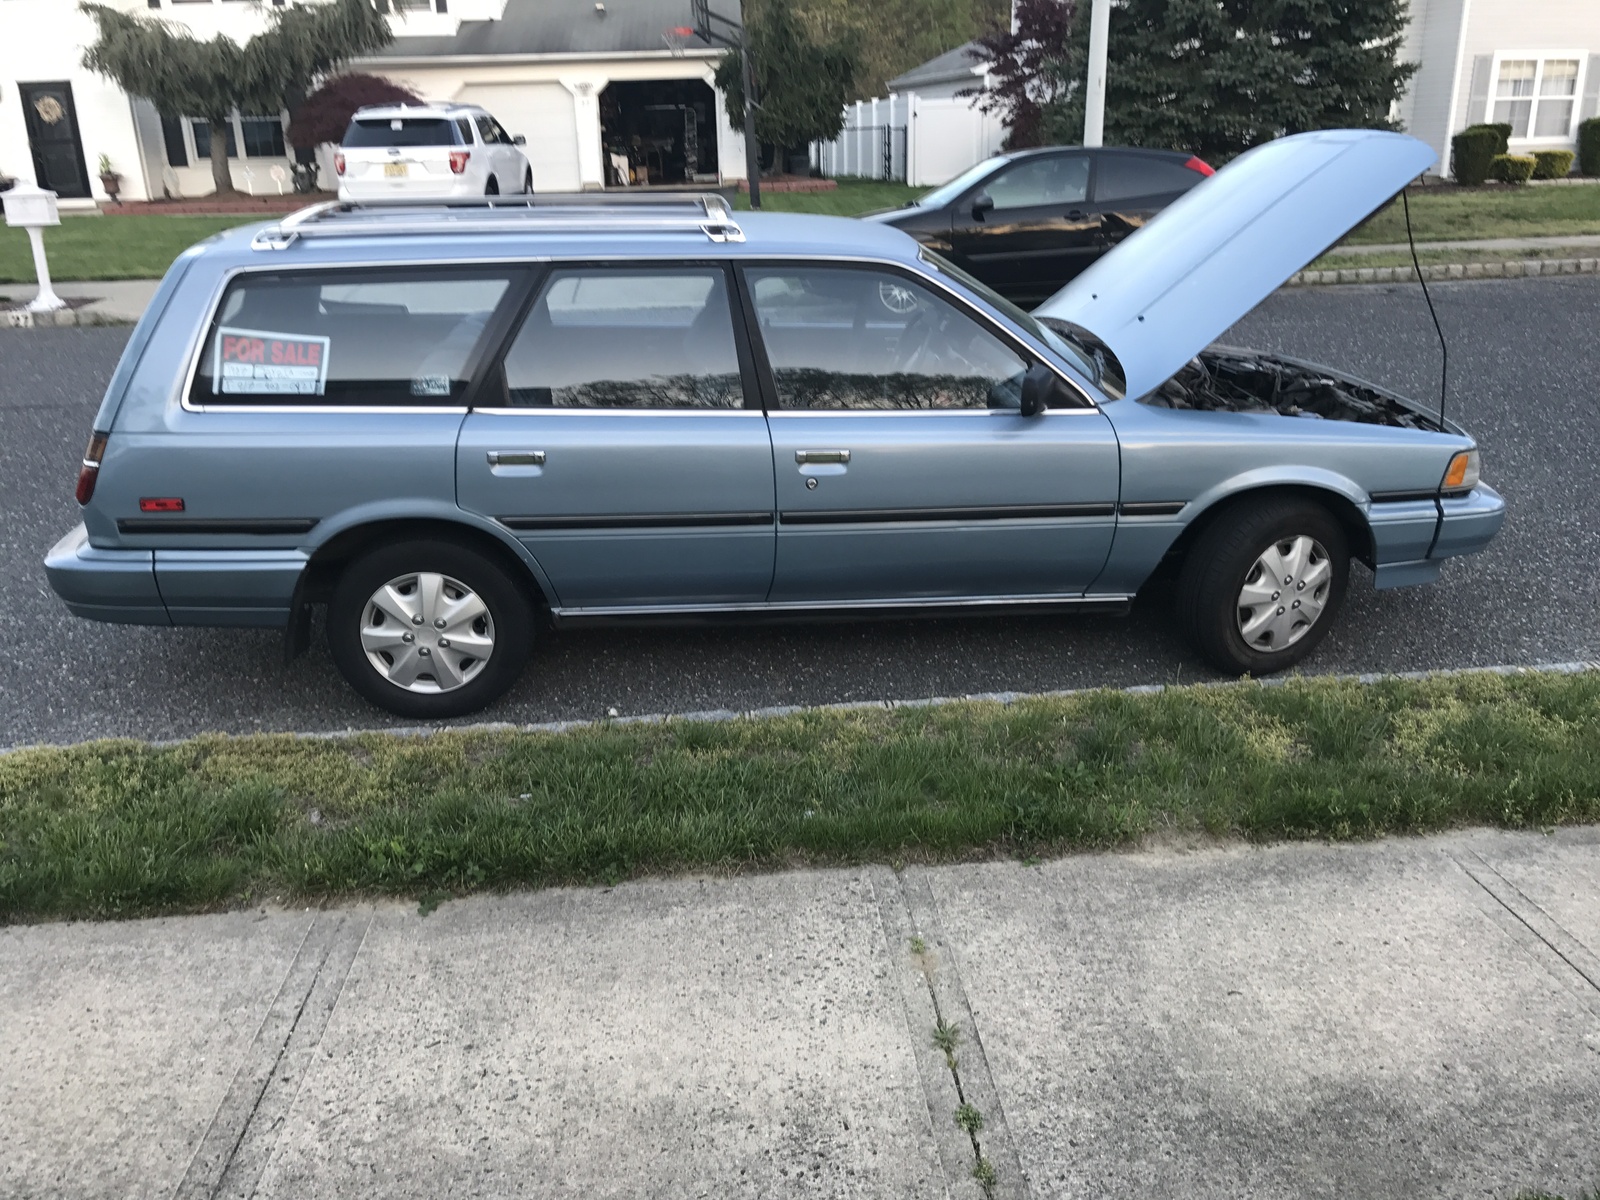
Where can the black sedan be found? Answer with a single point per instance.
(1027, 222)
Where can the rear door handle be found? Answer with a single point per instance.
(821, 456)
(516, 458)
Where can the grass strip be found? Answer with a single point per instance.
(123, 829)
(1460, 214)
(141, 247)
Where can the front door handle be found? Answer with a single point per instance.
(516, 458)
(821, 456)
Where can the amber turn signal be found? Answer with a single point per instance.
(1463, 471)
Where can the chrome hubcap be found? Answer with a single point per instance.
(1284, 593)
(427, 632)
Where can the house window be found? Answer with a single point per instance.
(202, 139)
(1537, 94)
(261, 137)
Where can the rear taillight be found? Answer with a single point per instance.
(1200, 164)
(90, 471)
(338, 164)
(458, 161)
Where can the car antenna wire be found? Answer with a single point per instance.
(1444, 347)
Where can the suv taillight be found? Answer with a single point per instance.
(338, 163)
(458, 161)
(90, 471)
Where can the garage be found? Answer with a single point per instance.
(545, 115)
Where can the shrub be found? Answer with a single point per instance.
(1471, 152)
(1512, 168)
(1589, 146)
(1552, 164)
(1502, 133)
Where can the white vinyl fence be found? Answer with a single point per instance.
(923, 141)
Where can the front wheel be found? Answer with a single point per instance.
(428, 630)
(527, 184)
(1261, 587)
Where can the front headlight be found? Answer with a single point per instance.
(1463, 473)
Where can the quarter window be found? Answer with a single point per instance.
(627, 339)
(1124, 176)
(1536, 95)
(347, 338)
(859, 339)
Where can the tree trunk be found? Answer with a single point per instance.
(221, 175)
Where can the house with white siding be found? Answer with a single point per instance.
(589, 83)
(1534, 64)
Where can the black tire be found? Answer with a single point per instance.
(492, 188)
(1219, 565)
(508, 607)
(527, 184)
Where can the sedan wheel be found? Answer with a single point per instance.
(429, 629)
(1261, 586)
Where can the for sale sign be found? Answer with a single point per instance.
(257, 362)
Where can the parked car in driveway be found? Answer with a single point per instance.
(1029, 222)
(429, 151)
(455, 424)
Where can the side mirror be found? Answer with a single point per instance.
(982, 206)
(1038, 385)
(519, 140)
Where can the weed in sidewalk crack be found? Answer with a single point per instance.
(983, 1171)
(918, 946)
(947, 1037)
(970, 1119)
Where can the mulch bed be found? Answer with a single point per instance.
(792, 183)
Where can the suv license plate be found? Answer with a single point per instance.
(395, 170)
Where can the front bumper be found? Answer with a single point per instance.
(1412, 543)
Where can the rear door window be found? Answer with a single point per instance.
(349, 338)
(399, 131)
(1125, 176)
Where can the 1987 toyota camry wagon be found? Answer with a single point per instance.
(445, 420)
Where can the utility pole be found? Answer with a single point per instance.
(1094, 95)
(734, 36)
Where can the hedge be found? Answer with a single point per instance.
(1512, 168)
(1552, 164)
(1471, 153)
(1589, 146)
(1502, 132)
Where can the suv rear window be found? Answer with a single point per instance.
(348, 338)
(400, 131)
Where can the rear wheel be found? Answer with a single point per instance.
(428, 629)
(1261, 587)
(492, 188)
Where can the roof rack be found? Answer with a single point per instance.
(579, 212)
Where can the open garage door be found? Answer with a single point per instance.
(544, 114)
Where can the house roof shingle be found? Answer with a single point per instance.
(565, 27)
(964, 62)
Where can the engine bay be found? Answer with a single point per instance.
(1237, 381)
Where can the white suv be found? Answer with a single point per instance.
(428, 152)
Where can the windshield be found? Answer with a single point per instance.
(400, 131)
(942, 195)
(1077, 345)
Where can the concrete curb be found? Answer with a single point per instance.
(21, 318)
(1505, 269)
(785, 710)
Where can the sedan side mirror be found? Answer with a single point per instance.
(1038, 385)
(519, 140)
(982, 206)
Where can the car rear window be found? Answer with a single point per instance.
(348, 338)
(400, 131)
(1124, 176)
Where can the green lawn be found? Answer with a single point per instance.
(851, 198)
(120, 828)
(1447, 215)
(109, 247)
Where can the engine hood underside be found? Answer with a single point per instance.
(1223, 379)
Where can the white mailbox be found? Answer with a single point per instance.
(32, 208)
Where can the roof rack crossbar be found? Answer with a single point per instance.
(668, 212)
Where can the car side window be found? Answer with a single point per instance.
(486, 129)
(850, 339)
(1124, 176)
(601, 338)
(340, 338)
(464, 127)
(500, 134)
(1036, 182)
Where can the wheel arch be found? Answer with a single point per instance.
(1336, 500)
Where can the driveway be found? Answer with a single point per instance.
(1523, 369)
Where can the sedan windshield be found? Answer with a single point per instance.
(944, 193)
(1082, 349)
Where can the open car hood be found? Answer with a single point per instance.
(1207, 259)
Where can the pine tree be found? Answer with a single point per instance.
(184, 76)
(1215, 77)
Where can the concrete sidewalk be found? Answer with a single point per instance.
(1404, 1019)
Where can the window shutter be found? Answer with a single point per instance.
(1591, 90)
(172, 135)
(1478, 93)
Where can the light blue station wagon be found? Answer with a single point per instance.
(451, 423)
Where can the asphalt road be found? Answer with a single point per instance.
(1525, 378)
